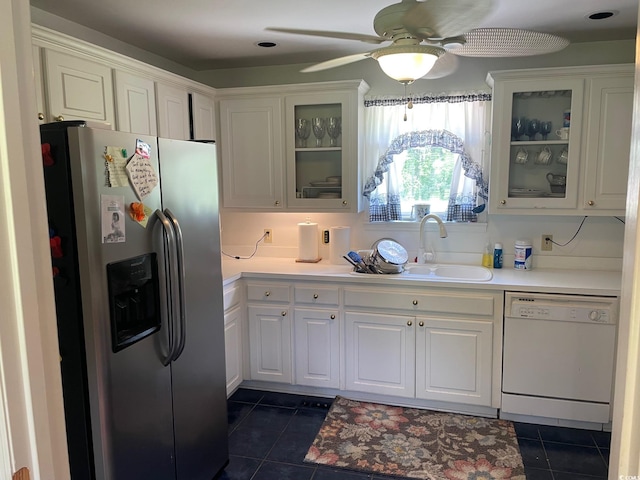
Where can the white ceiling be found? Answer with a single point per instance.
(210, 34)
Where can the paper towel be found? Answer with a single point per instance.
(339, 243)
(307, 241)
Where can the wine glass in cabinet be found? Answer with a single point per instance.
(318, 175)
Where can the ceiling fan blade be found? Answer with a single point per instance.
(508, 42)
(324, 33)
(444, 66)
(336, 62)
(435, 19)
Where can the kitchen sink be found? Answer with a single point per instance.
(474, 273)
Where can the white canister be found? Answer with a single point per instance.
(523, 252)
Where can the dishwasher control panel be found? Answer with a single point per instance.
(561, 308)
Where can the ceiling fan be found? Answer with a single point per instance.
(426, 36)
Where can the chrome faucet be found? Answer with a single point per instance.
(443, 234)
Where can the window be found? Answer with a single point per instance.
(441, 165)
(425, 178)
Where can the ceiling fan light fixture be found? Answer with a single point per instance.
(407, 63)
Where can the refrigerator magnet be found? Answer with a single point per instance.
(140, 213)
(112, 212)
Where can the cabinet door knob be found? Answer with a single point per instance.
(591, 203)
(415, 302)
(59, 118)
(332, 317)
(277, 203)
(421, 323)
(409, 322)
(503, 202)
(284, 313)
(267, 293)
(315, 296)
(344, 202)
(40, 116)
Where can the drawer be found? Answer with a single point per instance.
(268, 292)
(471, 303)
(231, 296)
(317, 295)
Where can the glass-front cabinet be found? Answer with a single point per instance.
(535, 152)
(321, 136)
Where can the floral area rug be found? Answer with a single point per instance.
(414, 443)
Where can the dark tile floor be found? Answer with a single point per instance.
(270, 433)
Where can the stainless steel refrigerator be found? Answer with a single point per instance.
(138, 303)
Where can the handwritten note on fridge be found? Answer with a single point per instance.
(142, 175)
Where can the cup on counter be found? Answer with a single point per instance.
(419, 210)
(563, 133)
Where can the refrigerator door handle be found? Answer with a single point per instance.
(171, 302)
(181, 276)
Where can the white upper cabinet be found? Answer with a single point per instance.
(268, 162)
(607, 144)
(37, 74)
(78, 89)
(203, 117)
(173, 111)
(136, 104)
(579, 164)
(251, 152)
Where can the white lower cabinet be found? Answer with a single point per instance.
(454, 360)
(432, 344)
(443, 345)
(233, 348)
(317, 347)
(234, 314)
(270, 343)
(380, 353)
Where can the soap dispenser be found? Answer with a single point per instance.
(487, 256)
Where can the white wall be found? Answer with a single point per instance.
(597, 246)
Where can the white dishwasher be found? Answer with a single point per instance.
(558, 356)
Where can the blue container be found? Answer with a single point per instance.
(497, 255)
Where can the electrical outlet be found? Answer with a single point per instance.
(268, 236)
(547, 244)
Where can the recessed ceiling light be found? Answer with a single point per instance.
(602, 15)
(266, 44)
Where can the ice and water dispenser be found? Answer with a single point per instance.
(134, 299)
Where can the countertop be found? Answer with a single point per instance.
(584, 282)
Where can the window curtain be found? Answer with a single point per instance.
(455, 122)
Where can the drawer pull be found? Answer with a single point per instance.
(409, 322)
(59, 118)
(591, 203)
(421, 323)
(332, 317)
(267, 293)
(415, 302)
(284, 313)
(315, 296)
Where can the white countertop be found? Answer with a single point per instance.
(584, 282)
